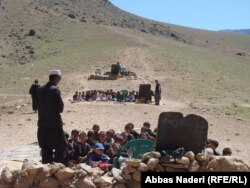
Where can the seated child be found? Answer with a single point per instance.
(83, 148)
(96, 129)
(150, 132)
(75, 96)
(91, 139)
(96, 157)
(227, 152)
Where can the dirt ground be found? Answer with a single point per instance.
(20, 128)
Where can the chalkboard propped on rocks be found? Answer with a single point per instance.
(115, 69)
(145, 92)
(176, 131)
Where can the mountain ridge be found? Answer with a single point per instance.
(240, 31)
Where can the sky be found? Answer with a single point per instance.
(202, 14)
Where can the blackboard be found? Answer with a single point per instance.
(175, 131)
(145, 92)
(115, 69)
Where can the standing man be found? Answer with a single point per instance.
(33, 93)
(157, 92)
(50, 133)
(119, 67)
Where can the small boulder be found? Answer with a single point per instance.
(116, 172)
(152, 154)
(85, 183)
(152, 163)
(190, 155)
(97, 172)
(64, 174)
(208, 151)
(55, 167)
(117, 175)
(80, 173)
(228, 164)
(32, 167)
(106, 182)
(143, 167)
(32, 32)
(131, 169)
(202, 158)
(10, 112)
(133, 162)
(72, 16)
(126, 177)
(87, 168)
(125, 170)
(16, 173)
(193, 166)
(183, 160)
(42, 175)
(7, 176)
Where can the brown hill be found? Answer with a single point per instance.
(20, 18)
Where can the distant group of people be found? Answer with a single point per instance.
(109, 95)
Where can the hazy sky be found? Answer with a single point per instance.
(203, 14)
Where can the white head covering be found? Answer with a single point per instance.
(55, 72)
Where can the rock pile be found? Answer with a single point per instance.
(98, 77)
(108, 76)
(35, 174)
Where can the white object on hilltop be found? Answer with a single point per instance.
(55, 72)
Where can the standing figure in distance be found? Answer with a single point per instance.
(157, 92)
(33, 93)
(50, 132)
(119, 67)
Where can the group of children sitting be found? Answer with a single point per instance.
(212, 145)
(109, 95)
(98, 148)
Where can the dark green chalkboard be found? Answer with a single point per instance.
(175, 131)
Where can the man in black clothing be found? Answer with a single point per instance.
(50, 133)
(33, 93)
(157, 93)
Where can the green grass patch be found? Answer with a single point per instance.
(238, 111)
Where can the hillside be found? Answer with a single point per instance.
(201, 72)
(20, 18)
